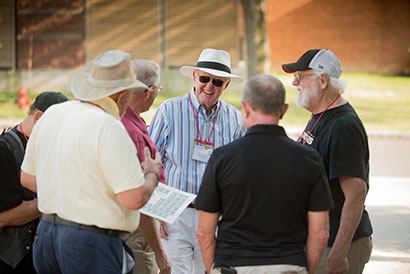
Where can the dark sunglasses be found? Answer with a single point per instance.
(216, 82)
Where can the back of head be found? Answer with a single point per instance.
(46, 99)
(265, 93)
(147, 72)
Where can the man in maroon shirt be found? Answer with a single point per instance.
(145, 241)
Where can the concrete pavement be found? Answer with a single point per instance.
(388, 204)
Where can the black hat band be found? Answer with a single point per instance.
(213, 65)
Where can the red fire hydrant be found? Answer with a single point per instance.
(23, 101)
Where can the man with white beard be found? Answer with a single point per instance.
(337, 132)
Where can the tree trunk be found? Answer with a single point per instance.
(257, 44)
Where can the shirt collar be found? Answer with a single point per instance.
(265, 128)
(136, 119)
(108, 105)
(197, 105)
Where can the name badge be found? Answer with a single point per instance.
(202, 153)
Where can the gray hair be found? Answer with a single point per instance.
(146, 71)
(265, 93)
(336, 83)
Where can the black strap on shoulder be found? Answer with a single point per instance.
(14, 144)
(323, 130)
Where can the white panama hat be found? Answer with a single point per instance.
(215, 62)
(109, 73)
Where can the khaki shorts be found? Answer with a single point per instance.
(358, 255)
(144, 255)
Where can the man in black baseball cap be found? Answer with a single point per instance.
(337, 132)
(18, 206)
(47, 98)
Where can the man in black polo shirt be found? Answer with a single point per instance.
(270, 193)
(337, 132)
(18, 206)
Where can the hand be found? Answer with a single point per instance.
(152, 164)
(336, 264)
(163, 230)
(163, 264)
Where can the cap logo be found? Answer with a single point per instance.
(320, 66)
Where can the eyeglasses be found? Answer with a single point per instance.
(300, 77)
(216, 82)
(159, 88)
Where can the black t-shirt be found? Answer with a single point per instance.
(341, 140)
(15, 241)
(263, 185)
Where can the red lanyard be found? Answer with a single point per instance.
(207, 143)
(310, 131)
(22, 131)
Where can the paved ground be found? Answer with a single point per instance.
(388, 204)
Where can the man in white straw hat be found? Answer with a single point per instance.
(186, 130)
(82, 163)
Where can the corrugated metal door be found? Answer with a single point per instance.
(196, 24)
(7, 34)
(128, 25)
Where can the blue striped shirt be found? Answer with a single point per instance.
(173, 130)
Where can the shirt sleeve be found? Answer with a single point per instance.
(118, 159)
(348, 150)
(240, 131)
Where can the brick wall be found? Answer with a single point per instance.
(57, 30)
(366, 35)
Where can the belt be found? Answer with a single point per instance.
(54, 219)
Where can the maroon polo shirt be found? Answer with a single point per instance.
(137, 129)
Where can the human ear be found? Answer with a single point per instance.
(285, 108)
(324, 80)
(227, 84)
(37, 115)
(245, 108)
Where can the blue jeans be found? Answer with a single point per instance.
(63, 249)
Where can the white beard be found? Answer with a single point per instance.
(304, 98)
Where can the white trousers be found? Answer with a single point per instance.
(182, 247)
(266, 269)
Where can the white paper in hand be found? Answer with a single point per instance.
(167, 203)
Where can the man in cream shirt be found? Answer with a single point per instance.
(81, 162)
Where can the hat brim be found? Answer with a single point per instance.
(188, 70)
(292, 67)
(82, 89)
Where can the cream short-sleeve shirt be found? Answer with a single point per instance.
(82, 156)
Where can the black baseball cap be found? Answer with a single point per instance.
(47, 98)
(318, 59)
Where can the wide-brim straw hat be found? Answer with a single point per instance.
(109, 73)
(215, 62)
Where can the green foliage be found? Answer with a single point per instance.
(383, 102)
